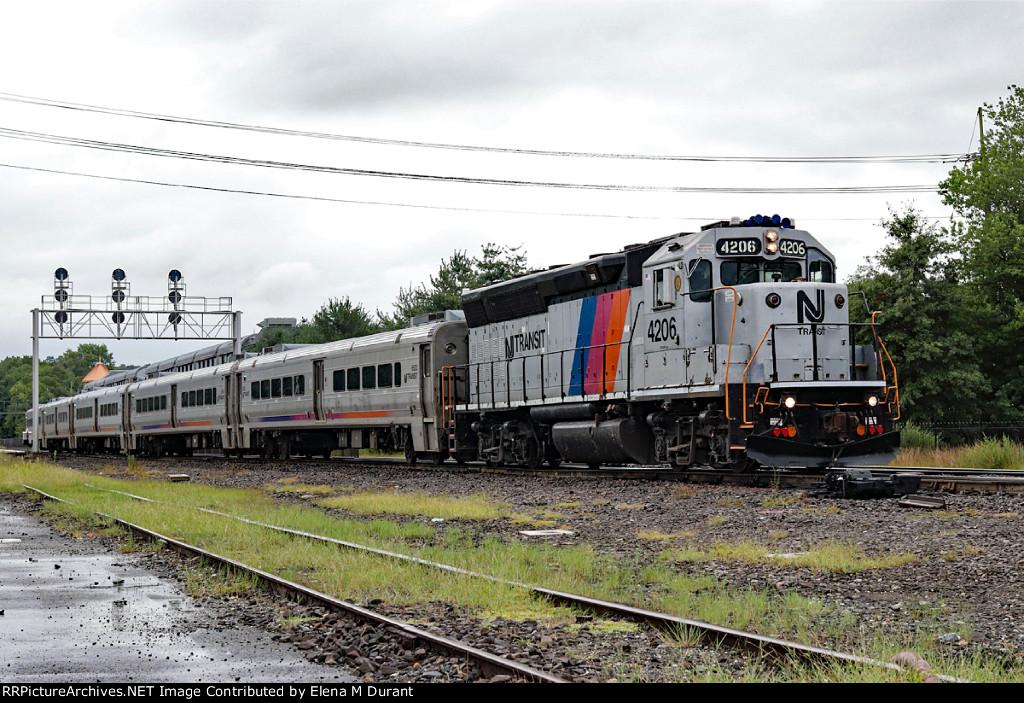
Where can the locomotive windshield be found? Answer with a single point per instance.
(739, 272)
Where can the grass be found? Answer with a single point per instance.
(776, 501)
(683, 492)
(359, 577)
(988, 453)
(420, 504)
(305, 488)
(827, 558)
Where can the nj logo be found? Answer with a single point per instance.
(806, 309)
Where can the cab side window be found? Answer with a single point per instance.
(700, 280)
(664, 295)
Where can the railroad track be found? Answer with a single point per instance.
(486, 662)
(946, 480)
(775, 649)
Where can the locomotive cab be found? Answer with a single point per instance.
(748, 344)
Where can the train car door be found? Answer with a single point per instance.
(427, 397)
(231, 409)
(126, 422)
(318, 389)
(174, 405)
(95, 414)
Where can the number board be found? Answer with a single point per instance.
(738, 247)
(792, 247)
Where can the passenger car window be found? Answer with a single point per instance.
(353, 379)
(369, 377)
(339, 380)
(384, 376)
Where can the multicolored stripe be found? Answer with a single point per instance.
(358, 415)
(287, 418)
(602, 322)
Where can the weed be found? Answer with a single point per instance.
(289, 620)
(203, 581)
(683, 492)
(778, 535)
(826, 510)
(655, 535)
(729, 503)
(774, 501)
(717, 520)
(629, 506)
(419, 503)
(303, 488)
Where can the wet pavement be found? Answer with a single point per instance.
(78, 611)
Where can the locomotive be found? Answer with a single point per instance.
(724, 347)
(728, 347)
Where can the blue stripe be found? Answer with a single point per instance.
(579, 358)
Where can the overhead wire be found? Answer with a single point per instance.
(235, 160)
(890, 159)
(401, 205)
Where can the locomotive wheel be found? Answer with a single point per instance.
(410, 452)
(534, 456)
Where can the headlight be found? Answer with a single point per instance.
(789, 402)
(771, 235)
(772, 247)
(872, 400)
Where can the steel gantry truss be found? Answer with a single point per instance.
(120, 315)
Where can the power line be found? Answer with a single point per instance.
(394, 204)
(339, 200)
(906, 158)
(239, 161)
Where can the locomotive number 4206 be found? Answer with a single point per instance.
(663, 330)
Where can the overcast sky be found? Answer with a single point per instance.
(763, 79)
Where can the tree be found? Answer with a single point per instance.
(457, 273)
(61, 376)
(988, 195)
(914, 281)
(338, 318)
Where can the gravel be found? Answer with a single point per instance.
(963, 588)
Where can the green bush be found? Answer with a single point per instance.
(914, 437)
(992, 453)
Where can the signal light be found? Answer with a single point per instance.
(840, 301)
(860, 430)
(773, 300)
(792, 431)
(777, 432)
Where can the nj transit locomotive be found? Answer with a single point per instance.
(727, 347)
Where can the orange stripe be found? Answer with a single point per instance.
(616, 328)
(358, 415)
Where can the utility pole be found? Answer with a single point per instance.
(981, 131)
